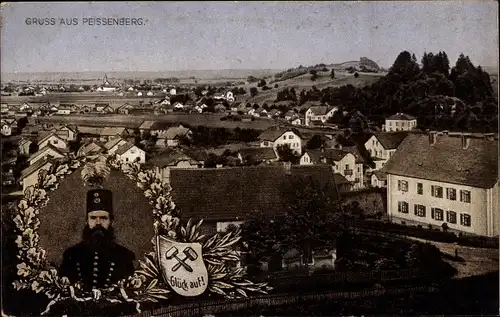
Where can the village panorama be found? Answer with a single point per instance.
(334, 188)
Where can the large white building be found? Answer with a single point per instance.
(400, 122)
(319, 113)
(276, 136)
(439, 178)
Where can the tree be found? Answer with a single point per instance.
(260, 235)
(251, 79)
(276, 86)
(315, 142)
(287, 155)
(332, 74)
(253, 91)
(261, 83)
(313, 218)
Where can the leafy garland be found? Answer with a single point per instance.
(146, 284)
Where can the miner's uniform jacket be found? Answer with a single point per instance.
(97, 268)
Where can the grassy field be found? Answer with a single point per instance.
(212, 120)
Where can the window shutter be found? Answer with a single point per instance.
(433, 212)
(432, 190)
(399, 185)
(461, 219)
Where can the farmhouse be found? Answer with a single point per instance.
(29, 176)
(319, 113)
(257, 155)
(8, 128)
(113, 144)
(341, 162)
(47, 151)
(381, 146)
(112, 132)
(172, 159)
(90, 149)
(52, 139)
(24, 145)
(67, 132)
(63, 109)
(447, 181)
(400, 122)
(276, 136)
(128, 153)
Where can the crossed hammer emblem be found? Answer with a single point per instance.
(190, 255)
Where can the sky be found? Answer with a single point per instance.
(239, 35)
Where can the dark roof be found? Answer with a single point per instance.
(50, 146)
(446, 160)
(258, 153)
(391, 140)
(45, 137)
(340, 179)
(233, 193)
(34, 167)
(171, 157)
(124, 148)
(331, 155)
(401, 116)
(381, 175)
(321, 110)
(273, 133)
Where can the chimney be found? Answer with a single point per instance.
(432, 137)
(465, 141)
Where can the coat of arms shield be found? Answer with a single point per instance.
(182, 266)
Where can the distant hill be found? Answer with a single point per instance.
(88, 76)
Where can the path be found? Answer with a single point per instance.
(478, 261)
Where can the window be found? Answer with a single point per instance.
(465, 220)
(451, 216)
(290, 137)
(437, 191)
(359, 169)
(402, 124)
(126, 159)
(465, 196)
(265, 143)
(403, 207)
(284, 137)
(402, 186)
(347, 166)
(437, 214)
(451, 193)
(420, 210)
(397, 124)
(420, 188)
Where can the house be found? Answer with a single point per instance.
(230, 96)
(341, 162)
(296, 121)
(124, 109)
(276, 136)
(90, 149)
(24, 145)
(290, 114)
(7, 128)
(446, 180)
(173, 91)
(165, 101)
(103, 108)
(257, 155)
(4, 109)
(68, 132)
(112, 132)
(150, 93)
(178, 106)
(319, 113)
(128, 153)
(29, 176)
(139, 94)
(48, 151)
(381, 146)
(146, 126)
(175, 134)
(113, 144)
(7, 169)
(170, 159)
(53, 139)
(379, 179)
(63, 110)
(400, 122)
(229, 195)
(274, 113)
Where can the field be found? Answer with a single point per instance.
(209, 120)
(305, 82)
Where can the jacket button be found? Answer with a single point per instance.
(96, 269)
(96, 258)
(94, 281)
(111, 269)
(95, 275)
(107, 280)
(95, 263)
(112, 263)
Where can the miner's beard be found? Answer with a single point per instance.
(98, 237)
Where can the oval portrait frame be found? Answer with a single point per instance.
(146, 284)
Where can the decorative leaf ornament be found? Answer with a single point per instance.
(146, 284)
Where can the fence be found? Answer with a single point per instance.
(213, 307)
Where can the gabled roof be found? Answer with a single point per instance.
(273, 133)
(236, 192)
(447, 161)
(71, 127)
(171, 157)
(381, 175)
(147, 124)
(331, 155)
(258, 153)
(111, 143)
(47, 136)
(35, 167)
(110, 131)
(60, 151)
(391, 140)
(91, 148)
(320, 110)
(401, 116)
(174, 132)
(124, 148)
